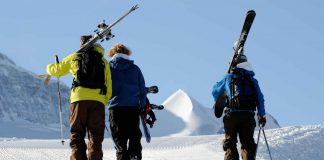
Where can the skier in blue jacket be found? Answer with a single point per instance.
(239, 120)
(128, 95)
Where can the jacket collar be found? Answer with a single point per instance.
(120, 55)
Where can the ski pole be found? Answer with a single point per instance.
(265, 138)
(256, 148)
(60, 102)
(116, 147)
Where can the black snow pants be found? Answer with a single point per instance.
(240, 124)
(125, 131)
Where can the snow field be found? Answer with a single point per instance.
(289, 143)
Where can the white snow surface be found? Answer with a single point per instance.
(289, 143)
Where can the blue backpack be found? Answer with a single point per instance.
(244, 96)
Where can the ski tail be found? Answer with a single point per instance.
(250, 15)
(222, 101)
(145, 129)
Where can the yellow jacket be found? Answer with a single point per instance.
(70, 64)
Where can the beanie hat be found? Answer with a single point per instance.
(84, 39)
(245, 65)
(241, 58)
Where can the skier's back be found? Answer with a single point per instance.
(87, 102)
(239, 114)
(129, 94)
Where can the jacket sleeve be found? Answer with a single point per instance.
(142, 88)
(108, 82)
(60, 69)
(260, 99)
(219, 87)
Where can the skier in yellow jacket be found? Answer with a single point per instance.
(91, 91)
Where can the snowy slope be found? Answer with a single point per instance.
(290, 143)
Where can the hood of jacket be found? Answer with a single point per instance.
(244, 69)
(120, 63)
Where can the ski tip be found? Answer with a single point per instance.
(134, 7)
(251, 12)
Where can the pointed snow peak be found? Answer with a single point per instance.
(196, 118)
(179, 103)
(5, 60)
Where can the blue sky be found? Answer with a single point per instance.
(186, 44)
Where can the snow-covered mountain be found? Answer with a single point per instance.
(28, 109)
(185, 116)
(26, 104)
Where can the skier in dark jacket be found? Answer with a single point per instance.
(240, 121)
(128, 95)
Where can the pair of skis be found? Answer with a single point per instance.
(222, 101)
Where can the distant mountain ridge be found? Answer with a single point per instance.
(25, 98)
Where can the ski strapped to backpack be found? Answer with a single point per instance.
(222, 99)
(103, 32)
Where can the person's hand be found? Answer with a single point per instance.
(262, 121)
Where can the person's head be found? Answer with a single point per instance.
(96, 46)
(241, 58)
(241, 62)
(119, 48)
(84, 39)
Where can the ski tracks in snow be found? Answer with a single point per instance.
(289, 143)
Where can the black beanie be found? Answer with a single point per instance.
(241, 58)
(84, 39)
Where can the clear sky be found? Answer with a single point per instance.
(186, 44)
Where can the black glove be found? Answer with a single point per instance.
(262, 121)
(151, 118)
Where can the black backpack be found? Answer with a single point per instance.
(244, 94)
(91, 72)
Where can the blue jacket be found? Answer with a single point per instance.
(128, 85)
(225, 84)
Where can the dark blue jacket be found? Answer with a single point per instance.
(225, 84)
(128, 85)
